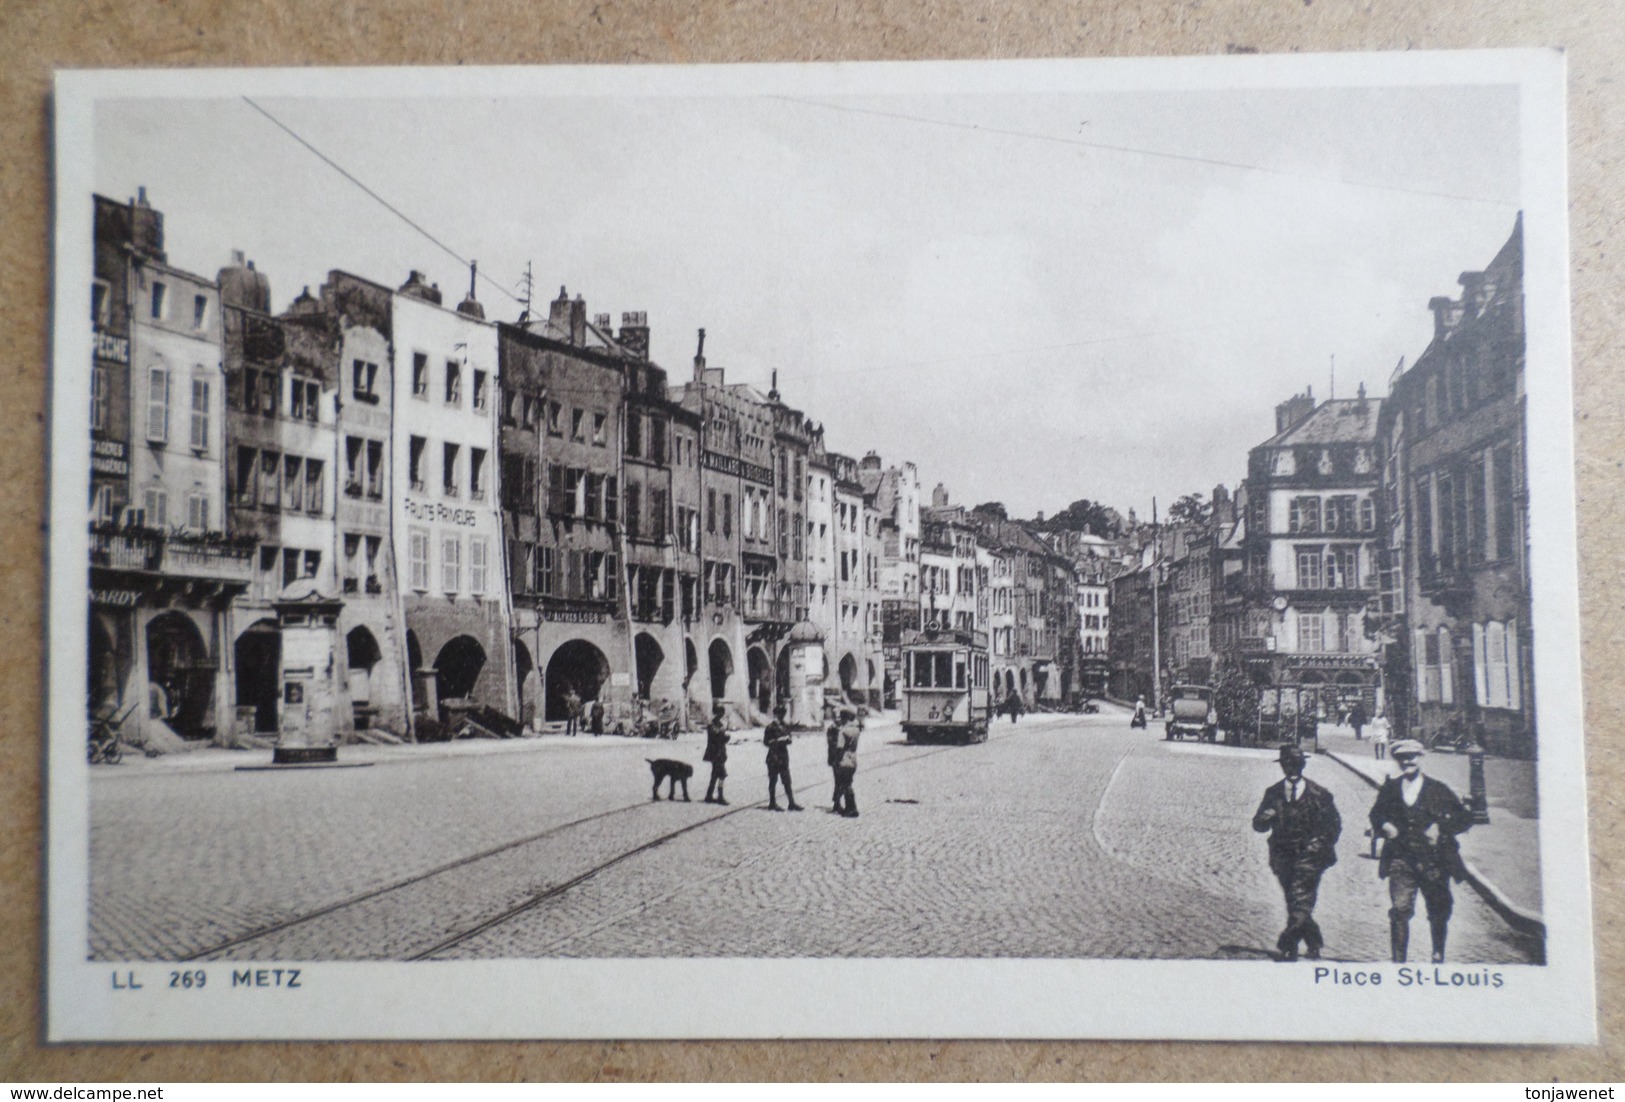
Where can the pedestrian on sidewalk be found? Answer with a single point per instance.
(572, 710)
(597, 714)
(1357, 720)
(1303, 824)
(716, 752)
(844, 760)
(1379, 737)
(777, 738)
(1419, 817)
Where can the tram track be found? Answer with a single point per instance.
(532, 901)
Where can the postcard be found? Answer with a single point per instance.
(1012, 549)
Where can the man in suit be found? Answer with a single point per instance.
(1419, 817)
(777, 738)
(716, 752)
(844, 760)
(1303, 824)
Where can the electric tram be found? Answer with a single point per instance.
(945, 685)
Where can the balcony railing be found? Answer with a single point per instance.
(176, 555)
(769, 609)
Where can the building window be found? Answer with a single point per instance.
(634, 511)
(314, 498)
(711, 511)
(157, 509)
(304, 400)
(727, 516)
(578, 420)
(476, 473)
(375, 470)
(270, 480)
(364, 378)
(200, 311)
(352, 562)
(480, 389)
(450, 457)
(1368, 515)
(554, 413)
(354, 466)
(593, 496)
(414, 463)
(293, 493)
(1310, 562)
(420, 375)
(197, 512)
(100, 295)
(599, 436)
(374, 543)
(450, 564)
(200, 415)
(418, 559)
(1303, 515)
(246, 480)
(160, 301)
(611, 500)
(476, 565)
(657, 440)
(158, 405)
(546, 571)
(454, 383)
(658, 517)
(100, 384)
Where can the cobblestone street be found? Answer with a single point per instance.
(1062, 836)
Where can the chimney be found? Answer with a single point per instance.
(306, 303)
(871, 461)
(939, 496)
(1040, 518)
(578, 321)
(1446, 315)
(470, 306)
(146, 228)
(1294, 410)
(241, 285)
(416, 286)
(699, 360)
(773, 387)
(601, 323)
(558, 313)
(634, 335)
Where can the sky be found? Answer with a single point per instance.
(1035, 297)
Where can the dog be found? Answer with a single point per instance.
(673, 773)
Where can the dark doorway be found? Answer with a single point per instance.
(848, 671)
(414, 662)
(258, 654)
(180, 677)
(759, 675)
(457, 668)
(523, 667)
(576, 665)
(106, 683)
(650, 657)
(362, 655)
(722, 669)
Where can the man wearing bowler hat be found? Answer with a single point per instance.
(1303, 825)
(1419, 817)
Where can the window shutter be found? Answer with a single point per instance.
(1420, 649)
(158, 405)
(200, 414)
(1483, 687)
(1514, 668)
(1447, 668)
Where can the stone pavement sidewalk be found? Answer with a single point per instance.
(1503, 855)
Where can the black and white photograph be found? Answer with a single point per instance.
(1007, 549)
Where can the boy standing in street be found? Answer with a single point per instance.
(777, 738)
(716, 752)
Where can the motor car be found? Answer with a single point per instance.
(1192, 714)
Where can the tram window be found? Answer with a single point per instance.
(944, 669)
(959, 674)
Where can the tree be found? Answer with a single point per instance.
(992, 509)
(1190, 509)
(1084, 515)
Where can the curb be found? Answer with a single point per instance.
(1513, 915)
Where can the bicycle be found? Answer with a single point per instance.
(104, 747)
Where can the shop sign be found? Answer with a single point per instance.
(109, 457)
(466, 518)
(112, 348)
(116, 598)
(739, 468)
(573, 616)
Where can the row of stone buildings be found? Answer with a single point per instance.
(376, 511)
(1376, 554)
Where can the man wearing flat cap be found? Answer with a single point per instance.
(1419, 817)
(1303, 824)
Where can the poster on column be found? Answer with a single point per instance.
(1068, 548)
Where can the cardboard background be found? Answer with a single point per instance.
(37, 36)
